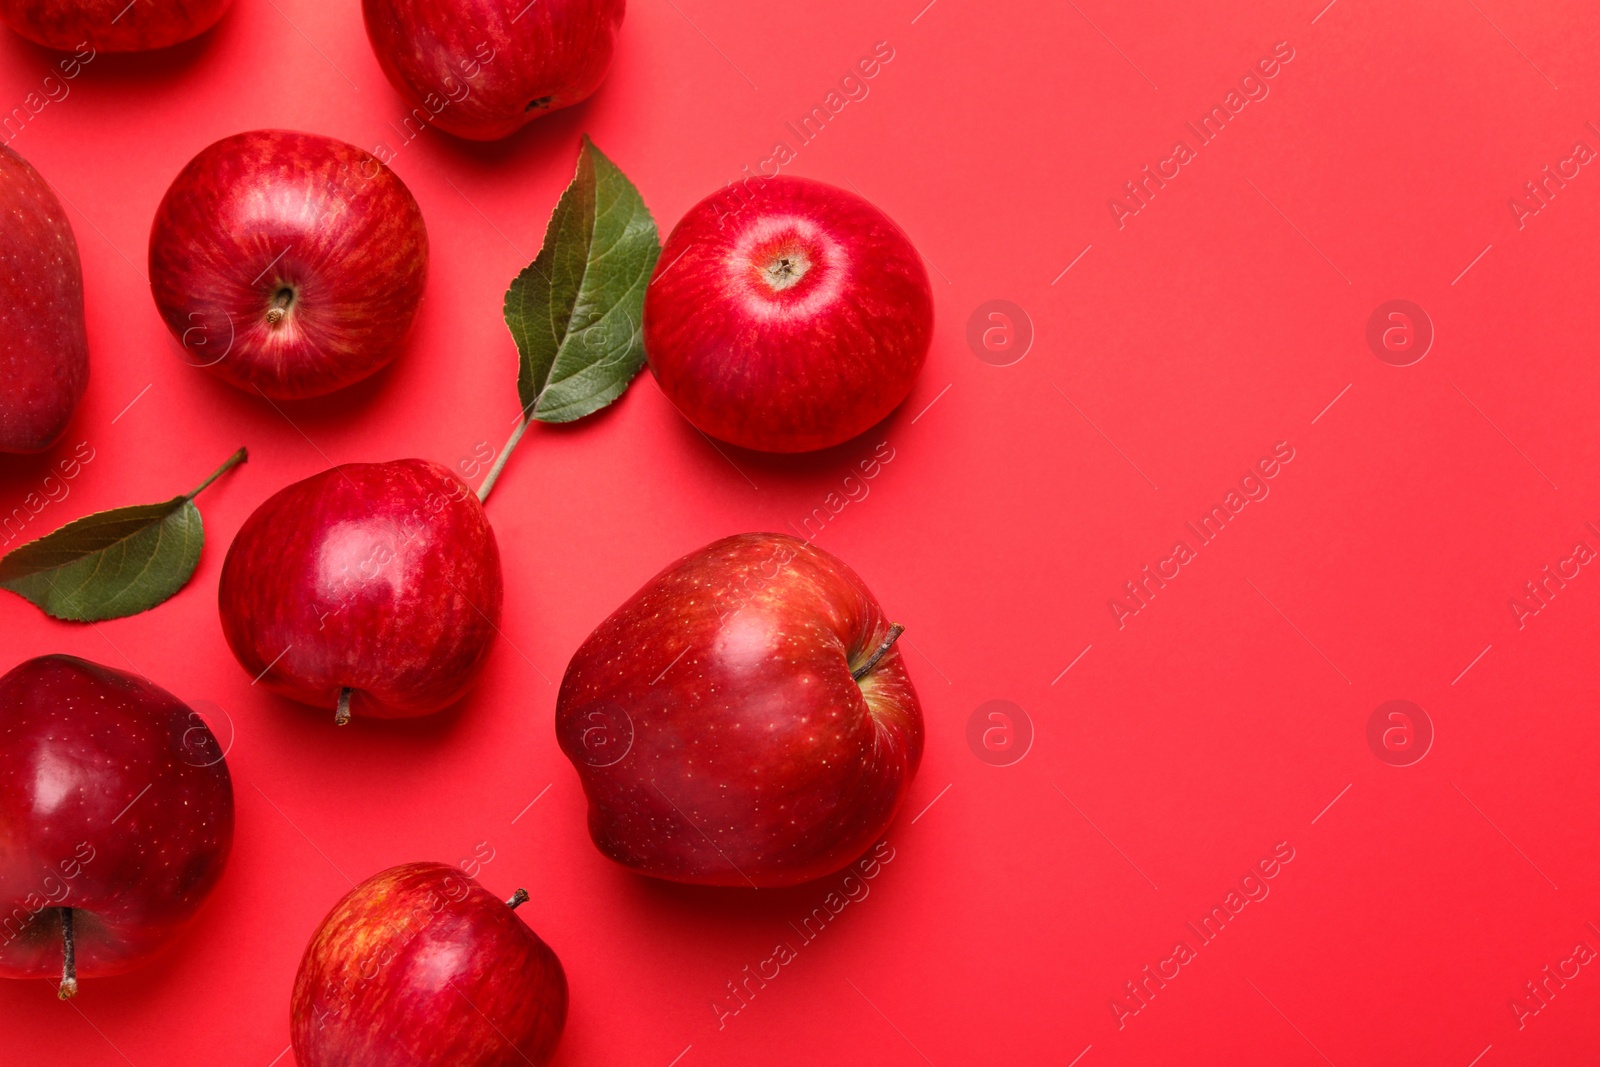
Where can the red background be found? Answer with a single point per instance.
(1177, 751)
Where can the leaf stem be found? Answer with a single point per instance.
(228, 465)
(341, 717)
(519, 898)
(505, 454)
(882, 650)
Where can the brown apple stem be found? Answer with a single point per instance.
(280, 306)
(69, 961)
(519, 898)
(505, 454)
(227, 465)
(878, 653)
(342, 716)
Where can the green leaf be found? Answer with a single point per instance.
(576, 312)
(112, 563)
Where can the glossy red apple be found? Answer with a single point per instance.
(111, 25)
(744, 719)
(786, 315)
(483, 69)
(420, 966)
(373, 588)
(44, 352)
(116, 817)
(288, 263)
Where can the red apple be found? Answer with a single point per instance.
(744, 719)
(289, 263)
(373, 587)
(482, 69)
(786, 315)
(116, 817)
(420, 966)
(44, 353)
(111, 25)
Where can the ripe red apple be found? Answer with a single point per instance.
(371, 587)
(786, 315)
(482, 69)
(116, 817)
(420, 966)
(111, 25)
(44, 353)
(287, 262)
(744, 719)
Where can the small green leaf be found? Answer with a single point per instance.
(576, 312)
(112, 563)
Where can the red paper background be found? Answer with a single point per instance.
(1179, 349)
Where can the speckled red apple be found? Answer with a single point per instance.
(483, 69)
(420, 966)
(745, 719)
(44, 350)
(111, 25)
(786, 315)
(373, 588)
(288, 263)
(116, 818)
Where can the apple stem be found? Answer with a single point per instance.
(280, 306)
(519, 898)
(342, 716)
(878, 653)
(228, 465)
(69, 962)
(505, 454)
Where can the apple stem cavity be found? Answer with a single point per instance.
(878, 653)
(227, 465)
(342, 716)
(505, 454)
(69, 962)
(280, 305)
(519, 898)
